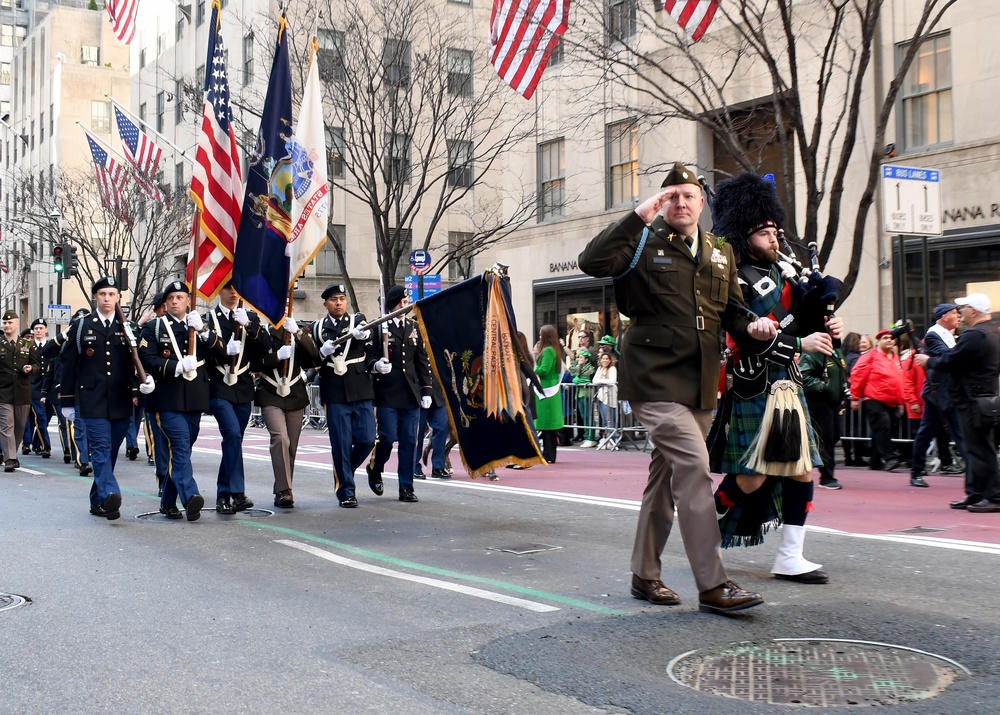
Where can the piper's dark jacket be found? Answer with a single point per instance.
(410, 377)
(15, 385)
(306, 354)
(355, 384)
(173, 393)
(256, 343)
(98, 377)
(678, 304)
(974, 364)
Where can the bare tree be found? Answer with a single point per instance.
(809, 62)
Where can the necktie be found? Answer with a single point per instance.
(689, 240)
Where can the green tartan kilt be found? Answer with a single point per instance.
(744, 423)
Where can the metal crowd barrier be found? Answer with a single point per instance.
(314, 416)
(596, 412)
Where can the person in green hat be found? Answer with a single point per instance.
(582, 371)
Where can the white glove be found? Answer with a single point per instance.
(382, 366)
(240, 316)
(65, 335)
(290, 325)
(68, 413)
(233, 346)
(327, 348)
(194, 320)
(425, 402)
(285, 352)
(189, 363)
(148, 385)
(359, 333)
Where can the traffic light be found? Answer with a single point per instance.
(58, 258)
(72, 267)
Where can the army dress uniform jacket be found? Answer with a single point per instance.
(15, 385)
(173, 392)
(38, 377)
(356, 383)
(256, 343)
(270, 369)
(98, 377)
(678, 304)
(410, 377)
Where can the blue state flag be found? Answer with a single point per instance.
(260, 265)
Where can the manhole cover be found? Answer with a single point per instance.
(12, 600)
(522, 549)
(156, 516)
(817, 673)
(919, 530)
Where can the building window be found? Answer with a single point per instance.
(31, 135)
(335, 152)
(459, 73)
(200, 13)
(142, 57)
(161, 43)
(622, 150)
(332, 44)
(397, 159)
(161, 109)
(90, 55)
(179, 179)
(142, 112)
(326, 262)
(460, 168)
(404, 238)
(100, 116)
(179, 101)
(179, 32)
(396, 63)
(4, 72)
(248, 58)
(551, 179)
(926, 96)
(41, 128)
(463, 261)
(7, 35)
(557, 56)
(620, 19)
(19, 32)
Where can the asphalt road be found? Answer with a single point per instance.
(417, 608)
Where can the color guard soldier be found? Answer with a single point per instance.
(73, 435)
(36, 434)
(156, 444)
(184, 391)
(346, 392)
(17, 362)
(99, 381)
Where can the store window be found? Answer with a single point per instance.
(926, 96)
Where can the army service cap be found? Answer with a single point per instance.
(680, 174)
(105, 282)
(9, 315)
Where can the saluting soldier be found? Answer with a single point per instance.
(679, 287)
(17, 362)
(36, 433)
(184, 391)
(99, 383)
(402, 387)
(346, 391)
(231, 392)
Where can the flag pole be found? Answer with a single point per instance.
(145, 124)
(196, 229)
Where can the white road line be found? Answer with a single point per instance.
(436, 583)
(31, 471)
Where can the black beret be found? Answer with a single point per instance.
(394, 297)
(175, 287)
(334, 289)
(158, 300)
(26, 333)
(744, 205)
(81, 313)
(39, 321)
(105, 282)
(679, 174)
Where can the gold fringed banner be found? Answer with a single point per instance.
(502, 388)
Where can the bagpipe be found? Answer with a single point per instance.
(814, 295)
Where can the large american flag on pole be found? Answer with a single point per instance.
(694, 16)
(216, 183)
(142, 153)
(111, 180)
(122, 13)
(523, 34)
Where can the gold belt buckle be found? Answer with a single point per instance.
(700, 322)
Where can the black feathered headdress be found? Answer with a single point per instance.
(744, 205)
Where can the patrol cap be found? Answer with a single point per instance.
(9, 315)
(81, 313)
(679, 174)
(175, 287)
(105, 282)
(394, 296)
(334, 289)
(39, 321)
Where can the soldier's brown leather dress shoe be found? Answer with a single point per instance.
(654, 591)
(727, 598)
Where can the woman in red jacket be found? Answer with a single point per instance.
(877, 383)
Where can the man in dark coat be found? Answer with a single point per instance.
(36, 432)
(678, 285)
(402, 387)
(99, 381)
(17, 363)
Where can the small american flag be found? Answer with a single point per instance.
(111, 180)
(694, 16)
(523, 34)
(143, 154)
(122, 15)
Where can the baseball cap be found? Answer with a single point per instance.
(976, 301)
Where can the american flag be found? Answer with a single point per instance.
(122, 15)
(216, 183)
(694, 16)
(142, 153)
(111, 180)
(523, 34)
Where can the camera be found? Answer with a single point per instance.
(905, 327)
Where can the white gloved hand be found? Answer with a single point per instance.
(426, 402)
(285, 352)
(65, 335)
(327, 348)
(382, 366)
(189, 363)
(147, 386)
(233, 346)
(68, 413)
(359, 333)
(240, 316)
(194, 320)
(290, 325)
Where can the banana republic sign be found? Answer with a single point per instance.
(562, 266)
(965, 214)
